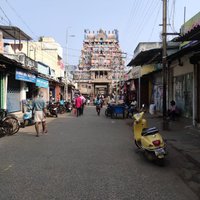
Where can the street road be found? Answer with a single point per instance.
(85, 158)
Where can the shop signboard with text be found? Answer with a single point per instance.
(42, 68)
(25, 76)
(40, 82)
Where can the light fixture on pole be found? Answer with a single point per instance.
(67, 64)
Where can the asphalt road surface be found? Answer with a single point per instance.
(86, 158)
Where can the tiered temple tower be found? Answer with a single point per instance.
(101, 65)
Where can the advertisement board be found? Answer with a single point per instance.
(25, 76)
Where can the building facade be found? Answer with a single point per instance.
(48, 55)
(101, 65)
(25, 66)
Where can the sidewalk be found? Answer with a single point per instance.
(185, 139)
(181, 134)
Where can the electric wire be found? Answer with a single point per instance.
(23, 21)
(130, 16)
(148, 9)
(156, 18)
(173, 15)
(38, 53)
(135, 16)
(145, 18)
(3, 21)
(9, 21)
(137, 8)
(140, 15)
(171, 19)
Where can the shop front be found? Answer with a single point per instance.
(157, 91)
(20, 88)
(183, 93)
(13, 94)
(55, 90)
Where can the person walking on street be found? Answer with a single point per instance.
(83, 103)
(88, 100)
(98, 105)
(78, 104)
(39, 107)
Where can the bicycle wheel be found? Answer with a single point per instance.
(11, 125)
(7, 127)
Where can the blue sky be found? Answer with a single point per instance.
(136, 20)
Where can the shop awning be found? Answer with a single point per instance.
(7, 61)
(147, 57)
(190, 47)
(14, 33)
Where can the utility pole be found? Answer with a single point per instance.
(67, 63)
(164, 63)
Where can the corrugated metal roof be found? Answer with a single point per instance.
(147, 57)
(14, 33)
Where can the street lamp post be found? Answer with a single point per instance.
(67, 63)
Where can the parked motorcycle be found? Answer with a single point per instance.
(52, 109)
(68, 106)
(148, 139)
(60, 106)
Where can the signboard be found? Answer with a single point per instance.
(43, 69)
(146, 69)
(52, 72)
(42, 83)
(25, 76)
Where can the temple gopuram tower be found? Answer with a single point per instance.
(101, 65)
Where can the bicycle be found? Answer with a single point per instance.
(9, 124)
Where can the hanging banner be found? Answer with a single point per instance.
(42, 83)
(25, 76)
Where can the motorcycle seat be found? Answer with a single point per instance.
(149, 131)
